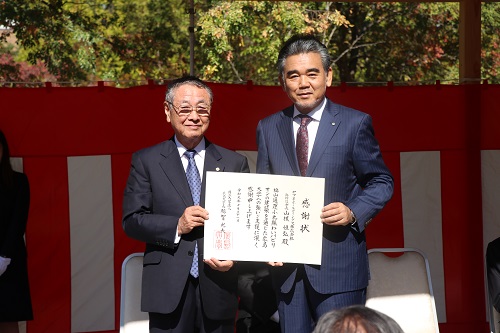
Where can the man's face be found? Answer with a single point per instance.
(305, 80)
(190, 128)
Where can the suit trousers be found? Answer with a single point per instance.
(300, 309)
(189, 315)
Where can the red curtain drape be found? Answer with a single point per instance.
(53, 123)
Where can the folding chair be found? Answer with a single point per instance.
(132, 319)
(401, 288)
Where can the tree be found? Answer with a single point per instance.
(116, 40)
(240, 40)
(54, 33)
(398, 42)
(128, 41)
(149, 40)
(490, 53)
(22, 73)
(372, 42)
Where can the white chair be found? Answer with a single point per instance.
(132, 319)
(401, 287)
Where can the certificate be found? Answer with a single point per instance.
(260, 217)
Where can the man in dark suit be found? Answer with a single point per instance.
(336, 143)
(257, 305)
(162, 207)
(493, 272)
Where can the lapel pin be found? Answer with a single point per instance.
(217, 169)
(333, 124)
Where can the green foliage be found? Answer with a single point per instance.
(128, 41)
(490, 39)
(369, 42)
(238, 40)
(150, 40)
(397, 42)
(22, 72)
(116, 40)
(241, 39)
(44, 30)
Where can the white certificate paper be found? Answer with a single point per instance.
(257, 217)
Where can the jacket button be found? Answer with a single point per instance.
(190, 253)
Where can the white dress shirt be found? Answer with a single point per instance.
(312, 128)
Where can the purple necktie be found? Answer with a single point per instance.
(194, 181)
(302, 145)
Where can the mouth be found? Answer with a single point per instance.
(304, 95)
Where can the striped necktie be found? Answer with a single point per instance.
(194, 181)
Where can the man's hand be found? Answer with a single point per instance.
(336, 214)
(275, 263)
(193, 216)
(219, 265)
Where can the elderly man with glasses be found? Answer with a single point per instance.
(163, 207)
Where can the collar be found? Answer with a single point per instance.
(200, 148)
(315, 114)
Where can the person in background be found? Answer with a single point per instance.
(15, 298)
(318, 138)
(163, 206)
(356, 319)
(257, 311)
(493, 272)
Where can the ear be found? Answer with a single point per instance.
(282, 83)
(329, 77)
(167, 111)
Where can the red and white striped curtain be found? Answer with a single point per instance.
(441, 143)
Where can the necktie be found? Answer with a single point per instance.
(302, 145)
(194, 181)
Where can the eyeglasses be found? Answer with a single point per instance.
(185, 110)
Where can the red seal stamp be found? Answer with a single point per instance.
(223, 240)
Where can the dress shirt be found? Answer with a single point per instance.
(199, 159)
(313, 126)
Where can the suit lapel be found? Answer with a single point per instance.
(330, 121)
(285, 132)
(171, 165)
(213, 162)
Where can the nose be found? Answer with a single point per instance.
(303, 81)
(194, 116)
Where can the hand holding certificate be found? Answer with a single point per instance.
(257, 217)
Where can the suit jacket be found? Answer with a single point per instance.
(156, 195)
(14, 283)
(493, 272)
(347, 155)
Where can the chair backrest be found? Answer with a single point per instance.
(132, 319)
(400, 286)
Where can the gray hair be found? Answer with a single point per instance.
(186, 80)
(348, 319)
(300, 44)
